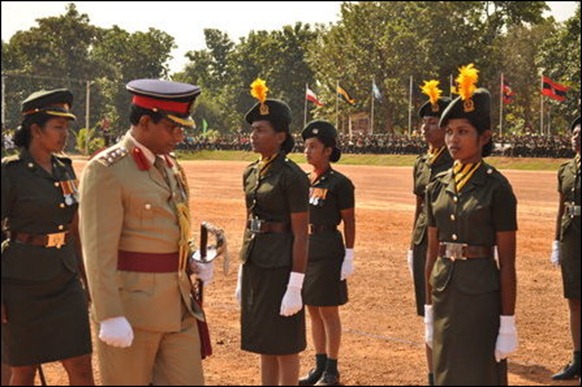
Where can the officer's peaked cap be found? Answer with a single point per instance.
(56, 103)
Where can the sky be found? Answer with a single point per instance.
(186, 21)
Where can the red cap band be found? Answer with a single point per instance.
(157, 104)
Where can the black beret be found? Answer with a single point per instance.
(430, 110)
(575, 123)
(172, 99)
(273, 110)
(52, 102)
(326, 133)
(476, 109)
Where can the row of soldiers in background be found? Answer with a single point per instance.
(530, 145)
(556, 146)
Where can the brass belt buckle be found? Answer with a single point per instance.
(255, 225)
(56, 240)
(454, 251)
(572, 210)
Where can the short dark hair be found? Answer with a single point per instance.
(136, 112)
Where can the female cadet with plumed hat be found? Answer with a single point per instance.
(274, 251)
(566, 247)
(330, 262)
(426, 167)
(469, 316)
(44, 307)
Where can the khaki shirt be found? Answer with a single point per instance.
(283, 190)
(423, 174)
(126, 208)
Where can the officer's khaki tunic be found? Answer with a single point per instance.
(46, 305)
(569, 187)
(267, 259)
(466, 293)
(423, 173)
(331, 193)
(125, 208)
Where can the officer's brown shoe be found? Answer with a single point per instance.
(571, 371)
(311, 378)
(329, 379)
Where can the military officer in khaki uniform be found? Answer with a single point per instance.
(469, 316)
(274, 250)
(566, 247)
(134, 228)
(426, 167)
(44, 307)
(330, 263)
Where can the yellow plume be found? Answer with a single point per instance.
(259, 90)
(466, 81)
(431, 89)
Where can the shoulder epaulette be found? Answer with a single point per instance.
(10, 159)
(111, 156)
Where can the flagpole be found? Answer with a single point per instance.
(337, 106)
(410, 108)
(372, 113)
(501, 91)
(305, 106)
(541, 105)
(451, 86)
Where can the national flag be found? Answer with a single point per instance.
(341, 92)
(376, 91)
(506, 92)
(312, 97)
(553, 89)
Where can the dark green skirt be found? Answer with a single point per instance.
(418, 269)
(47, 321)
(263, 329)
(570, 261)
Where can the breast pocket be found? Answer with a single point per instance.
(144, 211)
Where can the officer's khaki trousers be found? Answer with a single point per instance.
(154, 358)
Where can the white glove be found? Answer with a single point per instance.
(409, 258)
(506, 338)
(238, 290)
(555, 257)
(347, 265)
(116, 331)
(428, 325)
(292, 302)
(204, 271)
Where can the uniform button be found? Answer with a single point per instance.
(57, 183)
(148, 206)
(453, 217)
(62, 205)
(61, 227)
(454, 237)
(30, 165)
(489, 171)
(455, 199)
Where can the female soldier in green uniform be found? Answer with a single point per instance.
(331, 200)
(470, 209)
(44, 307)
(426, 167)
(274, 251)
(566, 246)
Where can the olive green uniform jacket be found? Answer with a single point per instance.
(569, 187)
(268, 257)
(466, 293)
(423, 174)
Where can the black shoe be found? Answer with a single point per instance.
(329, 379)
(571, 371)
(311, 378)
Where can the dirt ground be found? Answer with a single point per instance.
(383, 339)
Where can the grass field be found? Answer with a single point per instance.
(522, 164)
